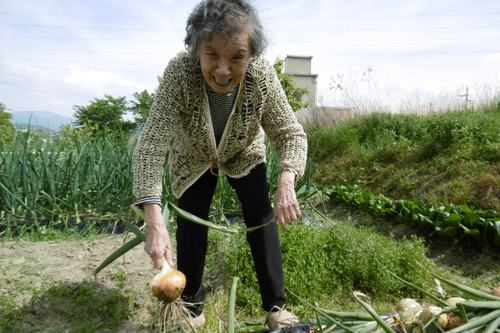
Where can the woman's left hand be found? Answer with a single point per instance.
(286, 207)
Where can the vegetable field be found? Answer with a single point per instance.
(435, 177)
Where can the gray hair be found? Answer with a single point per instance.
(227, 17)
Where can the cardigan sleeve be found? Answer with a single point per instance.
(281, 126)
(148, 161)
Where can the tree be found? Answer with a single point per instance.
(141, 105)
(294, 94)
(104, 115)
(7, 130)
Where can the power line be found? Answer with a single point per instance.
(83, 51)
(379, 16)
(127, 17)
(163, 64)
(95, 70)
(265, 17)
(154, 74)
(291, 41)
(337, 65)
(328, 54)
(97, 39)
(86, 28)
(284, 29)
(30, 89)
(83, 61)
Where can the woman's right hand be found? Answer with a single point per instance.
(158, 244)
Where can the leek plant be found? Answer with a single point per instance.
(60, 181)
(46, 180)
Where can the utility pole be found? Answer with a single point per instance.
(466, 95)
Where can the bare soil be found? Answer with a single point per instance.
(42, 264)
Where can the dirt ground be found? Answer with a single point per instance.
(42, 264)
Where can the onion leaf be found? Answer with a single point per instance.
(372, 312)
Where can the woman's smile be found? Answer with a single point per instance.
(222, 83)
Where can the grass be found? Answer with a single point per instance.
(451, 158)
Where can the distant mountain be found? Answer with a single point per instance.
(42, 119)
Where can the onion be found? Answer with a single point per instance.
(408, 317)
(454, 321)
(496, 291)
(407, 303)
(430, 311)
(454, 300)
(168, 284)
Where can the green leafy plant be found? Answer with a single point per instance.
(322, 261)
(457, 223)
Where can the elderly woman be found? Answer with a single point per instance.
(216, 102)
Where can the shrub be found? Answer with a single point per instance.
(320, 262)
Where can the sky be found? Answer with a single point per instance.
(56, 54)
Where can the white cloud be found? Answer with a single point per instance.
(100, 82)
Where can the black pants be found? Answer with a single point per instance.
(253, 193)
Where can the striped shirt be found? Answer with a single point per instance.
(221, 106)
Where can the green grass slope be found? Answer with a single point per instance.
(449, 158)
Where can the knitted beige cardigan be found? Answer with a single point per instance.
(179, 124)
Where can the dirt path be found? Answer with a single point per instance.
(41, 264)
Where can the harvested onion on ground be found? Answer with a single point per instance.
(168, 284)
(409, 309)
(429, 312)
(453, 301)
(407, 303)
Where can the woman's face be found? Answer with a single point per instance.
(224, 61)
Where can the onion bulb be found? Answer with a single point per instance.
(496, 291)
(454, 321)
(454, 300)
(407, 303)
(430, 311)
(168, 284)
(410, 309)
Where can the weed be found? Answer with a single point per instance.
(322, 262)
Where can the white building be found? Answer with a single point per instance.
(299, 68)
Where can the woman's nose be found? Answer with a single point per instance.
(223, 67)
